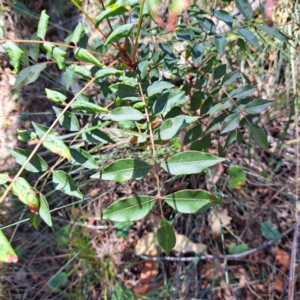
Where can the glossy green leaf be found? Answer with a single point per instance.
(192, 134)
(34, 49)
(269, 232)
(231, 123)
(197, 52)
(55, 96)
(15, 54)
(69, 77)
(4, 178)
(220, 42)
(125, 114)
(167, 101)
(203, 144)
(53, 141)
(172, 127)
(166, 236)
(207, 24)
(103, 73)
(25, 135)
(64, 182)
(274, 32)
(259, 136)
(58, 55)
(82, 71)
(89, 107)
(81, 157)
(36, 164)
(245, 8)
(142, 69)
(7, 253)
(238, 177)
(22, 189)
(233, 248)
(250, 37)
(257, 106)
(120, 32)
(124, 91)
(130, 209)
(77, 33)
(29, 75)
(191, 201)
(122, 228)
(158, 87)
(123, 170)
(44, 211)
(97, 136)
(43, 25)
(230, 77)
(185, 34)
(243, 91)
(219, 71)
(223, 16)
(111, 11)
(84, 55)
(190, 162)
(68, 120)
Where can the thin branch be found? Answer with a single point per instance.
(227, 256)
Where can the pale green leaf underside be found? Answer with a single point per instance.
(190, 162)
(191, 201)
(130, 209)
(44, 211)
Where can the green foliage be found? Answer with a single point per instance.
(160, 98)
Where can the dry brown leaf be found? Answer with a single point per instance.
(218, 170)
(184, 244)
(143, 288)
(227, 295)
(150, 269)
(210, 271)
(146, 244)
(283, 258)
(243, 278)
(218, 215)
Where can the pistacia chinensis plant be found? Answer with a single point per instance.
(168, 84)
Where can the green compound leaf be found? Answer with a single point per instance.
(223, 16)
(269, 232)
(125, 114)
(84, 55)
(57, 54)
(77, 33)
(173, 127)
(53, 141)
(103, 73)
(257, 106)
(7, 253)
(191, 201)
(120, 32)
(68, 120)
(158, 87)
(36, 164)
(29, 75)
(250, 37)
(243, 91)
(130, 209)
(245, 8)
(275, 32)
(22, 189)
(190, 162)
(43, 25)
(166, 236)
(259, 136)
(81, 157)
(167, 101)
(15, 54)
(233, 248)
(220, 42)
(123, 170)
(3, 178)
(55, 97)
(231, 123)
(124, 91)
(64, 182)
(44, 211)
(88, 107)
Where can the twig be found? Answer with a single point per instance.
(228, 256)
